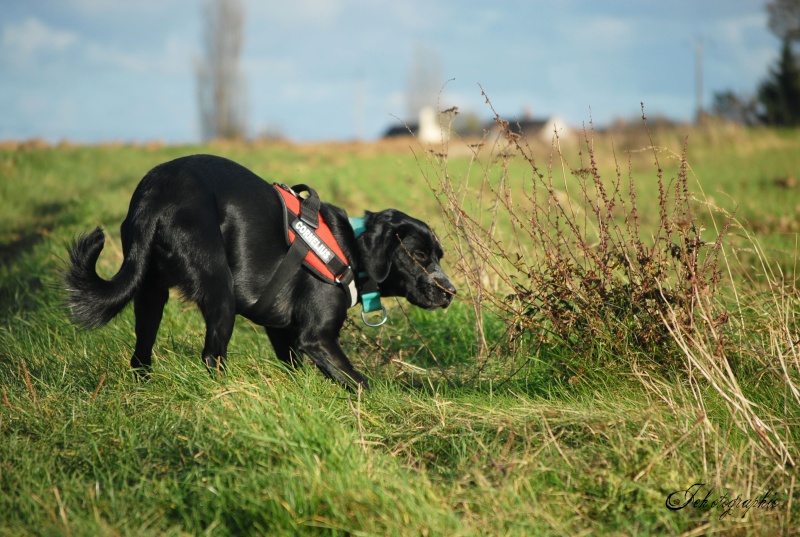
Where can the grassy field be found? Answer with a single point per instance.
(532, 436)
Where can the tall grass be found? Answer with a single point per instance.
(560, 254)
(482, 419)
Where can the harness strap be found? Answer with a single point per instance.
(287, 268)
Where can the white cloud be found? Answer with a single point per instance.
(269, 68)
(738, 30)
(414, 16)
(173, 57)
(396, 102)
(298, 13)
(602, 32)
(177, 57)
(33, 44)
(741, 49)
(97, 9)
(27, 42)
(108, 57)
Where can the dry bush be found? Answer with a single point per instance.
(563, 256)
(560, 254)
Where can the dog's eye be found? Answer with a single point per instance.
(420, 256)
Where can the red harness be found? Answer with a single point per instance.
(311, 244)
(316, 259)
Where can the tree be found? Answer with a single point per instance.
(779, 94)
(784, 19)
(735, 108)
(424, 82)
(220, 84)
(778, 98)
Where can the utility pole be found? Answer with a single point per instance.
(698, 80)
(358, 107)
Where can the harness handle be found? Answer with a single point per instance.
(309, 206)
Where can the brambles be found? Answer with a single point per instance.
(578, 267)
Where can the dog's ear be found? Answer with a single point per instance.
(378, 243)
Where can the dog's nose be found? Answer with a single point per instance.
(449, 290)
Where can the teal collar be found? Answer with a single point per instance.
(368, 289)
(358, 225)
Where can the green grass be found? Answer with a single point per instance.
(534, 440)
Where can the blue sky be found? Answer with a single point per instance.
(95, 70)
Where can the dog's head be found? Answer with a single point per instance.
(402, 255)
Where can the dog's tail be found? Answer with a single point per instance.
(93, 301)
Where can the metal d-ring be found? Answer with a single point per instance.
(374, 325)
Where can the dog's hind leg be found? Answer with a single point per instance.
(219, 311)
(199, 267)
(148, 307)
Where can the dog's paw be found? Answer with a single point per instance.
(215, 365)
(357, 382)
(141, 374)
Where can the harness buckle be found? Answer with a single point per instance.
(348, 283)
(289, 189)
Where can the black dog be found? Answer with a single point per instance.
(214, 230)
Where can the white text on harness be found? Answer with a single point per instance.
(313, 242)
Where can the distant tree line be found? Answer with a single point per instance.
(777, 100)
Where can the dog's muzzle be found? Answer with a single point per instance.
(439, 290)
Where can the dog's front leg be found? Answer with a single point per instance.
(331, 359)
(281, 340)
